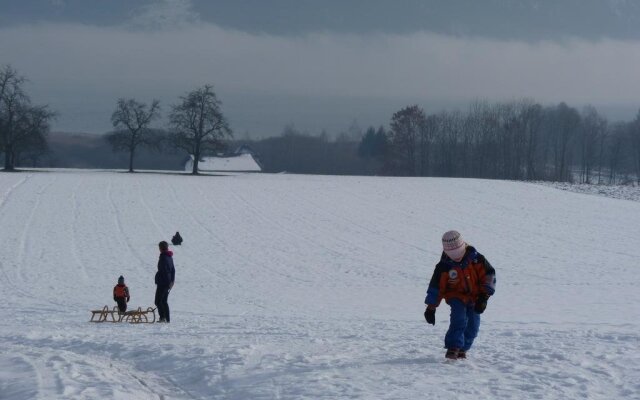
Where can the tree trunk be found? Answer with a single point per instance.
(196, 159)
(131, 154)
(8, 158)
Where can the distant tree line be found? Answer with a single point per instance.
(299, 152)
(520, 140)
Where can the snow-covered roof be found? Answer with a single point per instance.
(238, 163)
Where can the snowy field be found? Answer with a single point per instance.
(624, 192)
(312, 287)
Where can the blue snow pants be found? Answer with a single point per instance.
(464, 324)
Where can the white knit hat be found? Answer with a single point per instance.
(453, 245)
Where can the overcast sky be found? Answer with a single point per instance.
(321, 64)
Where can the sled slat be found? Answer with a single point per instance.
(138, 316)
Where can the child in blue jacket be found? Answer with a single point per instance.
(465, 279)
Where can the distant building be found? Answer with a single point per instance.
(243, 159)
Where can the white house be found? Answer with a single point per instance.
(244, 162)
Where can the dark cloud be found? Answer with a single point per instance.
(314, 80)
(528, 20)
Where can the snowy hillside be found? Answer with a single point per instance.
(311, 287)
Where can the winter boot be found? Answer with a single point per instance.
(452, 354)
(462, 354)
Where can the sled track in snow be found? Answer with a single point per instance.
(17, 284)
(363, 228)
(261, 215)
(79, 373)
(8, 193)
(209, 232)
(238, 252)
(74, 229)
(121, 233)
(152, 217)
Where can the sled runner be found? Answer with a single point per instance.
(138, 316)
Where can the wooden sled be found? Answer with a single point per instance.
(138, 316)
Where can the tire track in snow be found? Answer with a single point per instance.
(14, 287)
(8, 193)
(210, 233)
(382, 269)
(24, 243)
(249, 233)
(296, 236)
(362, 227)
(149, 212)
(18, 376)
(122, 235)
(185, 210)
(259, 214)
(25, 237)
(74, 232)
(76, 371)
(271, 222)
(7, 278)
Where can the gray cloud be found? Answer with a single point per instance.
(81, 70)
(526, 20)
(164, 14)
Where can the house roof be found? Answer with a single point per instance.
(238, 163)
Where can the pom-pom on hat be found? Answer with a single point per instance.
(453, 245)
(121, 279)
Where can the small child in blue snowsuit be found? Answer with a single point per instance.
(465, 280)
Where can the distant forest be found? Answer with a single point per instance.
(519, 140)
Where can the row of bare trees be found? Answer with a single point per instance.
(196, 125)
(519, 140)
(23, 126)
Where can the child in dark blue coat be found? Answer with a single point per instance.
(465, 280)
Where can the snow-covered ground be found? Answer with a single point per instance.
(623, 192)
(311, 287)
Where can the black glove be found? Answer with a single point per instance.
(430, 315)
(481, 304)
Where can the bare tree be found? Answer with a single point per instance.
(406, 126)
(23, 127)
(531, 117)
(131, 120)
(449, 126)
(30, 139)
(11, 99)
(602, 141)
(616, 150)
(634, 135)
(566, 123)
(427, 133)
(198, 125)
(485, 125)
(373, 148)
(593, 127)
